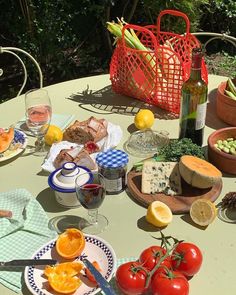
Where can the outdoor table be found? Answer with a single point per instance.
(128, 233)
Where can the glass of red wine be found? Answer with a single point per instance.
(91, 196)
(38, 112)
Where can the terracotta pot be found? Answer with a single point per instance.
(223, 161)
(225, 106)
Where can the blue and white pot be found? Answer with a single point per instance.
(62, 181)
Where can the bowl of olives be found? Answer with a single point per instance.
(222, 149)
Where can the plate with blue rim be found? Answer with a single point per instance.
(96, 249)
(16, 147)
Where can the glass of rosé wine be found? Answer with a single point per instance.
(91, 196)
(38, 113)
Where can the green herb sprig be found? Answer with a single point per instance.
(174, 151)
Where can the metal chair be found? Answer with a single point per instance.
(11, 50)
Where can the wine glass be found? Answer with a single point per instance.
(91, 196)
(38, 116)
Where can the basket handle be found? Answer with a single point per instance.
(175, 13)
(140, 29)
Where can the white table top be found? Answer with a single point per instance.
(127, 232)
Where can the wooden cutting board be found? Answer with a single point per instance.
(177, 204)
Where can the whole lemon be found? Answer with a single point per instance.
(144, 119)
(54, 134)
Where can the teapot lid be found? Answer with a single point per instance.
(63, 179)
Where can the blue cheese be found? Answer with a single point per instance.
(161, 177)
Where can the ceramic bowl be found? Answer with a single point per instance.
(225, 106)
(223, 161)
(62, 181)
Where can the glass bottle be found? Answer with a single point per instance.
(193, 102)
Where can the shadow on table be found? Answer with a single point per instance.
(212, 119)
(48, 201)
(105, 100)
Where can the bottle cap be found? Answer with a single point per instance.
(197, 55)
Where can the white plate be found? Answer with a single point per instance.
(95, 249)
(19, 138)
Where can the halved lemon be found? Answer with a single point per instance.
(203, 212)
(71, 243)
(159, 214)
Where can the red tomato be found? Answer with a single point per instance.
(169, 283)
(187, 258)
(151, 256)
(88, 272)
(131, 278)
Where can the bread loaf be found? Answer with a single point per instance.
(88, 130)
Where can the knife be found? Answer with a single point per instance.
(27, 262)
(103, 284)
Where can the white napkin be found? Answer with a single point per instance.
(110, 141)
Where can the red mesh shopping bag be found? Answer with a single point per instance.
(156, 75)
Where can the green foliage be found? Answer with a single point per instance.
(222, 64)
(152, 9)
(219, 16)
(69, 39)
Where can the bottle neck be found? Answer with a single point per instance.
(196, 64)
(195, 74)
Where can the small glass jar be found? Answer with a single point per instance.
(112, 164)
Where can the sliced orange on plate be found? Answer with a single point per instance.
(70, 243)
(63, 277)
(64, 285)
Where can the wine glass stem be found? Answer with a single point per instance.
(92, 216)
(40, 143)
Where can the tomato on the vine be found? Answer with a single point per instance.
(186, 258)
(169, 282)
(151, 256)
(131, 278)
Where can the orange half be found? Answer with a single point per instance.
(71, 243)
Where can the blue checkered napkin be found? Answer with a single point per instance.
(112, 159)
(21, 235)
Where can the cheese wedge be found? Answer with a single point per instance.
(6, 139)
(161, 177)
(198, 172)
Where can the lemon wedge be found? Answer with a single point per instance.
(203, 212)
(159, 214)
(144, 119)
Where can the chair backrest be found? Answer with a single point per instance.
(11, 50)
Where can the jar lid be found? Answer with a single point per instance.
(63, 179)
(112, 159)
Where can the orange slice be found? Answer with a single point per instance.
(89, 274)
(62, 277)
(66, 269)
(71, 243)
(64, 284)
